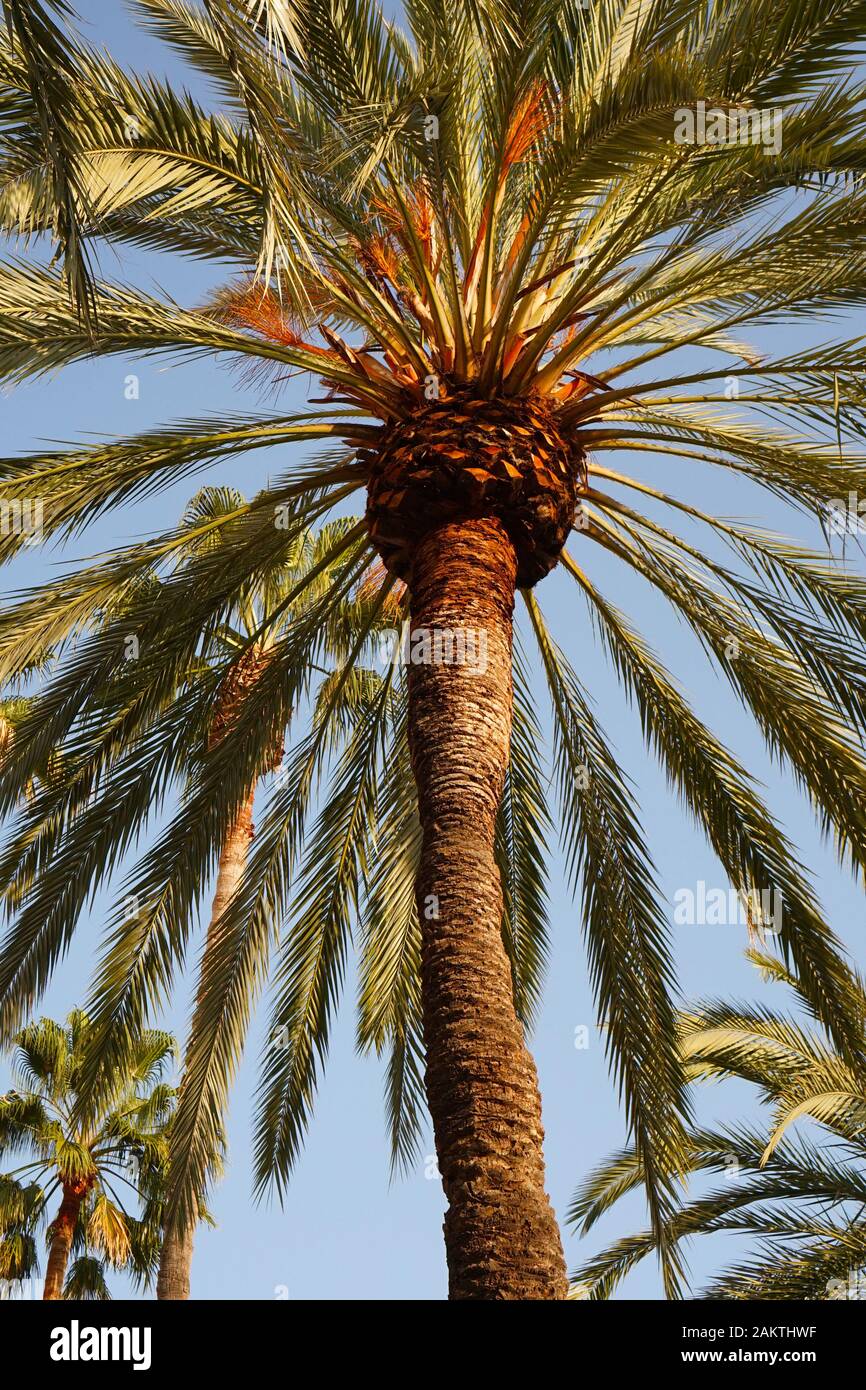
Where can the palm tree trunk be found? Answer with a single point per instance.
(175, 1262)
(177, 1246)
(62, 1231)
(501, 1235)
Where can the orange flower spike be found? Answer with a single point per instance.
(384, 258)
(420, 215)
(388, 214)
(527, 123)
(259, 309)
(422, 218)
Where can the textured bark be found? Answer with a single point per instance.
(177, 1246)
(501, 1235)
(175, 1261)
(62, 1231)
(233, 861)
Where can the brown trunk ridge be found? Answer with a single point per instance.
(501, 1235)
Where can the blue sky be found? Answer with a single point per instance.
(345, 1230)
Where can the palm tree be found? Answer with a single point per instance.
(231, 661)
(484, 237)
(15, 708)
(12, 710)
(120, 1153)
(247, 657)
(804, 1202)
(240, 650)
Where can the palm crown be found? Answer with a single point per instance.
(117, 1159)
(483, 238)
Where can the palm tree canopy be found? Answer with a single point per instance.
(115, 1161)
(481, 234)
(801, 1198)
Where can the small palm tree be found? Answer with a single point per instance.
(804, 1202)
(486, 240)
(99, 1170)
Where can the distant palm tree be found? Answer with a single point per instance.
(100, 1171)
(15, 709)
(804, 1202)
(494, 242)
(240, 649)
